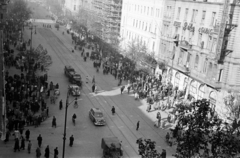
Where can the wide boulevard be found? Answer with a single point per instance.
(87, 136)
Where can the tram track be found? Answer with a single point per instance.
(58, 46)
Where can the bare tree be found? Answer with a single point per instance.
(89, 21)
(136, 50)
(232, 103)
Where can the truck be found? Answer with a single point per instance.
(73, 77)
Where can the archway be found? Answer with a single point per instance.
(201, 91)
(213, 98)
(193, 89)
(177, 79)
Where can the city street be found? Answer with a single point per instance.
(87, 136)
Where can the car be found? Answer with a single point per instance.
(74, 90)
(69, 70)
(96, 116)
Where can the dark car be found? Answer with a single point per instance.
(96, 115)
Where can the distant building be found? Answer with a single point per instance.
(72, 6)
(142, 20)
(110, 18)
(190, 41)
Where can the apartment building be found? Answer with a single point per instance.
(191, 45)
(109, 12)
(72, 6)
(142, 20)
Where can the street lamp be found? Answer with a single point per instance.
(31, 28)
(65, 122)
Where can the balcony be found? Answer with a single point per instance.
(185, 45)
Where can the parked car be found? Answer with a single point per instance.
(74, 90)
(96, 116)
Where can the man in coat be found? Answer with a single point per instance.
(39, 139)
(27, 134)
(47, 152)
(71, 141)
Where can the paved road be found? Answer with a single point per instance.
(87, 136)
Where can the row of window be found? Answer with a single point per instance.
(151, 11)
(194, 16)
(144, 26)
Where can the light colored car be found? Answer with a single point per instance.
(74, 90)
(96, 116)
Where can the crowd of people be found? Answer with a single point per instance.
(26, 95)
(159, 92)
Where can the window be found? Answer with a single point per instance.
(133, 22)
(137, 23)
(179, 12)
(220, 75)
(146, 26)
(74, 7)
(188, 59)
(147, 10)
(152, 11)
(141, 9)
(143, 25)
(214, 45)
(144, 9)
(199, 39)
(205, 66)
(150, 27)
(203, 16)
(209, 44)
(196, 62)
(186, 14)
(140, 24)
(213, 18)
(153, 46)
(194, 15)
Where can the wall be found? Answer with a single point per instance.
(141, 20)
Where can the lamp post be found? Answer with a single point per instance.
(65, 121)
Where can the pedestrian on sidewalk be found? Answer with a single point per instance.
(56, 152)
(16, 145)
(22, 143)
(47, 111)
(138, 124)
(93, 87)
(54, 122)
(27, 134)
(129, 87)
(113, 110)
(39, 139)
(71, 141)
(47, 152)
(122, 89)
(60, 104)
(38, 152)
(29, 146)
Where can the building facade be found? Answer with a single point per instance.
(72, 6)
(190, 47)
(142, 21)
(109, 12)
